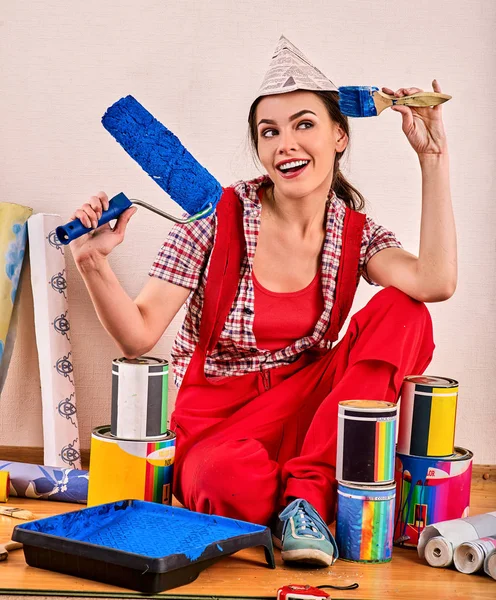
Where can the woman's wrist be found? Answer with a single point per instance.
(427, 159)
(92, 263)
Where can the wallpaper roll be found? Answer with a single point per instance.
(48, 280)
(438, 542)
(469, 557)
(13, 219)
(490, 565)
(46, 483)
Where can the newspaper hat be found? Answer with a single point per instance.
(290, 70)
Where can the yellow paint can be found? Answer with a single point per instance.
(122, 469)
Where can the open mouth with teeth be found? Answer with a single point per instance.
(293, 168)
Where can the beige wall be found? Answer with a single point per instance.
(196, 67)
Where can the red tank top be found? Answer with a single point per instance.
(281, 318)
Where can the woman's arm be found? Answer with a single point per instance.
(137, 325)
(432, 276)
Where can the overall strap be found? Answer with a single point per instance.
(347, 272)
(224, 269)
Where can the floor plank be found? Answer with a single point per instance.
(244, 574)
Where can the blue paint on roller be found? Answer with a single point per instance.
(160, 153)
(357, 101)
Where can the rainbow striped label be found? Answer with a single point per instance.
(130, 469)
(365, 522)
(385, 433)
(158, 477)
(430, 490)
(366, 444)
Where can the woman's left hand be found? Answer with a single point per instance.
(423, 126)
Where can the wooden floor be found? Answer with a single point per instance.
(245, 574)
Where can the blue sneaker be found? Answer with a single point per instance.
(302, 535)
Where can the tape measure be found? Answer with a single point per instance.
(296, 591)
(305, 592)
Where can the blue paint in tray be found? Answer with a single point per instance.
(152, 547)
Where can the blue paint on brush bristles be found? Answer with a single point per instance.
(160, 154)
(357, 101)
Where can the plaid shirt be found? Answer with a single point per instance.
(183, 260)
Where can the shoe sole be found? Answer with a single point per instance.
(307, 555)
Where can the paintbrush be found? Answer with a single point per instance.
(9, 546)
(16, 513)
(364, 101)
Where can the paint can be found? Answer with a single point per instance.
(4, 486)
(364, 522)
(430, 490)
(122, 469)
(366, 439)
(427, 416)
(139, 397)
(470, 556)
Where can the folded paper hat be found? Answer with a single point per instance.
(290, 70)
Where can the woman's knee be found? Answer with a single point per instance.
(235, 478)
(397, 302)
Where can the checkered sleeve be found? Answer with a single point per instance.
(185, 252)
(375, 239)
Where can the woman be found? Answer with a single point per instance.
(270, 280)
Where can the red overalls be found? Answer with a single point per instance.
(247, 445)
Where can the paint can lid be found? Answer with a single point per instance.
(432, 380)
(367, 487)
(141, 360)
(104, 431)
(368, 405)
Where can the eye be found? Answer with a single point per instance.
(308, 124)
(265, 133)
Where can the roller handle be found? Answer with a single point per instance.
(74, 229)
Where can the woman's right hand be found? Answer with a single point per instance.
(98, 243)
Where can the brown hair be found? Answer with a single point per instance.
(341, 186)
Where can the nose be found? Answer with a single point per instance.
(287, 141)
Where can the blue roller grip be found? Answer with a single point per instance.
(161, 154)
(74, 229)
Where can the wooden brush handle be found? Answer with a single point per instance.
(8, 547)
(418, 99)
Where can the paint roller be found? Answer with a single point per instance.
(160, 154)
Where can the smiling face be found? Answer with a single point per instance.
(297, 142)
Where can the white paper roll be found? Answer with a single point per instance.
(469, 557)
(439, 552)
(455, 532)
(48, 280)
(490, 565)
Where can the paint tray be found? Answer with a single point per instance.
(135, 544)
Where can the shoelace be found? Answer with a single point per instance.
(308, 522)
(304, 525)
